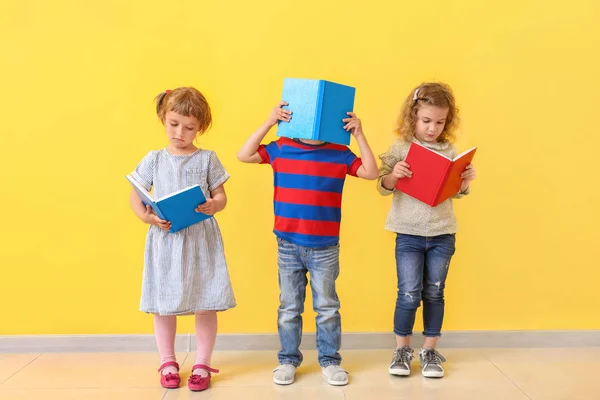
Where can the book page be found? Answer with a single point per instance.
(177, 192)
(140, 189)
(464, 153)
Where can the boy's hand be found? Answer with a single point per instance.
(279, 114)
(151, 218)
(207, 208)
(353, 124)
(401, 170)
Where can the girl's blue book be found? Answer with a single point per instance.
(318, 107)
(179, 208)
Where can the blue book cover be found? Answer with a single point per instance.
(178, 208)
(318, 107)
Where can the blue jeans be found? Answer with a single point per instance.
(422, 267)
(323, 264)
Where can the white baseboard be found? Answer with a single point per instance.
(248, 342)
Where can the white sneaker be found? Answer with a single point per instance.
(284, 374)
(336, 375)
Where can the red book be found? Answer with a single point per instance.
(435, 178)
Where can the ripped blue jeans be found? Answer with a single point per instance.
(422, 267)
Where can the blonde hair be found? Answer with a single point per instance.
(186, 101)
(431, 93)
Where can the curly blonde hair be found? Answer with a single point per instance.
(432, 93)
(186, 101)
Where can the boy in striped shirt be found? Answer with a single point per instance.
(309, 178)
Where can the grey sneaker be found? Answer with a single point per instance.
(336, 375)
(400, 364)
(431, 363)
(284, 374)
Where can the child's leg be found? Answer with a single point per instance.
(440, 250)
(292, 286)
(164, 330)
(410, 259)
(324, 267)
(206, 334)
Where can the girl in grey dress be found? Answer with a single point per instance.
(185, 272)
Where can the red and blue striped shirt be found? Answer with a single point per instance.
(308, 180)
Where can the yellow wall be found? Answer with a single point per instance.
(76, 87)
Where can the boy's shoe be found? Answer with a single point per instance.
(197, 383)
(400, 364)
(336, 375)
(169, 380)
(431, 363)
(284, 374)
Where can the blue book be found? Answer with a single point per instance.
(178, 208)
(318, 108)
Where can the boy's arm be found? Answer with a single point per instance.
(249, 151)
(368, 169)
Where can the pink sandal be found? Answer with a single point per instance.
(170, 380)
(198, 383)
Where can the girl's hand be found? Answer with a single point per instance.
(353, 124)
(151, 218)
(207, 208)
(469, 173)
(401, 170)
(279, 114)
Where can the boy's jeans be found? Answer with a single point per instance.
(324, 267)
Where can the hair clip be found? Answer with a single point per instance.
(168, 91)
(416, 95)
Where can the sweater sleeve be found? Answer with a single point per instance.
(396, 153)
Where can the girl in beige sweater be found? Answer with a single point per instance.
(425, 235)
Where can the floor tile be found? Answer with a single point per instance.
(10, 364)
(88, 370)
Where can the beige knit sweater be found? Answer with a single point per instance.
(409, 215)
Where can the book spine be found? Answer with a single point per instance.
(320, 95)
(442, 183)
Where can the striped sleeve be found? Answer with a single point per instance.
(269, 152)
(144, 172)
(352, 162)
(217, 175)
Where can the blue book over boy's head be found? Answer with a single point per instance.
(318, 108)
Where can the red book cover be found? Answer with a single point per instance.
(435, 177)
